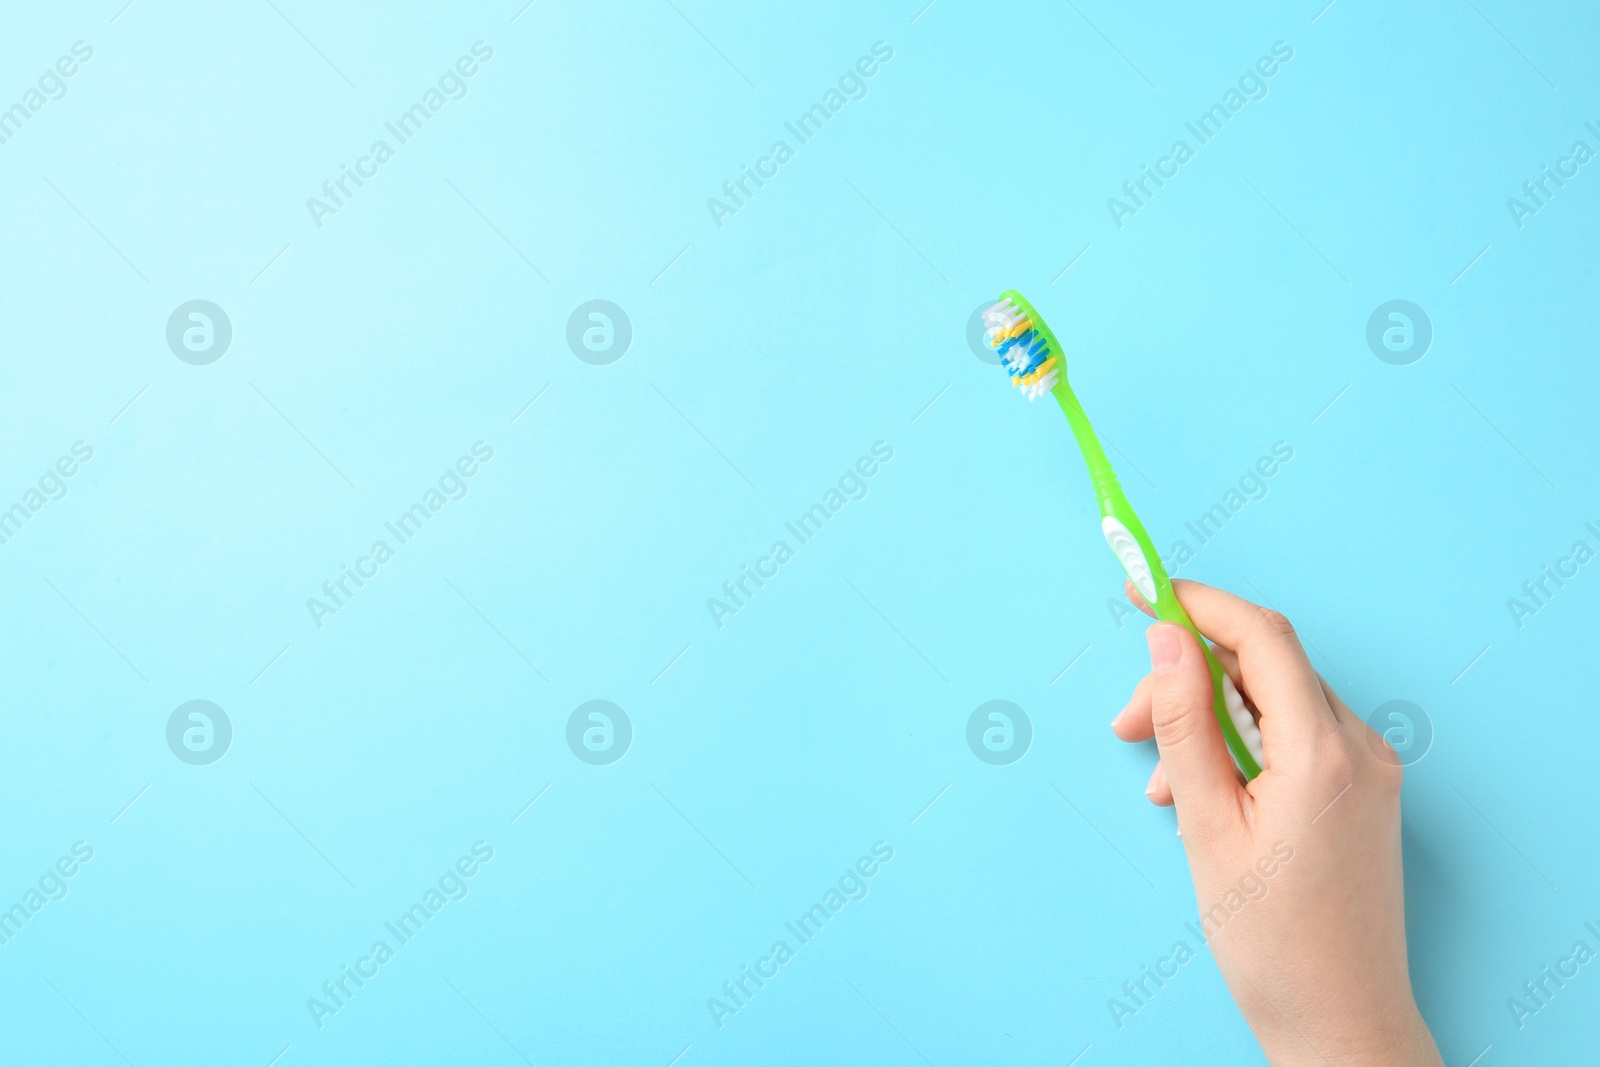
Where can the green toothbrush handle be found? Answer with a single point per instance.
(1125, 534)
(1128, 540)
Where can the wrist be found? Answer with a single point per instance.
(1399, 1042)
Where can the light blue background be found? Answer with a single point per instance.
(768, 355)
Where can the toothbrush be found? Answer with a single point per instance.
(1033, 357)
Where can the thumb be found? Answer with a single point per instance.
(1192, 749)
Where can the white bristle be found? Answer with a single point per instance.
(1002, 315)
(1042, 386)
(1000, 318)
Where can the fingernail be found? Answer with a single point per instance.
(1165, 651)
(1118, 718)
(1158, 778)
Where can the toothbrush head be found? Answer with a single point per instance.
(1027, 349)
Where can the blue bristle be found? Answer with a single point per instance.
(1024, 353)
(1021, 341)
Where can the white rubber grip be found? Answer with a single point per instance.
(1243, 721)
(1127, 549)
(1132, 560)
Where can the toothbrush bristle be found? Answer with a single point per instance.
(1023, 350)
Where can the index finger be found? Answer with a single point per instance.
(1282, 683)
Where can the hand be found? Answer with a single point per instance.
(1297, 873)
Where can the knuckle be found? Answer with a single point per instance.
(1204, 834)
(1334, 762)
(1376, 742)
(1388, 767)
(1389, 774)
(1174, 722)
(1274, 622)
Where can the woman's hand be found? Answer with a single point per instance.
(1298, 873)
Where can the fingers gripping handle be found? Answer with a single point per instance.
(1132, 549)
